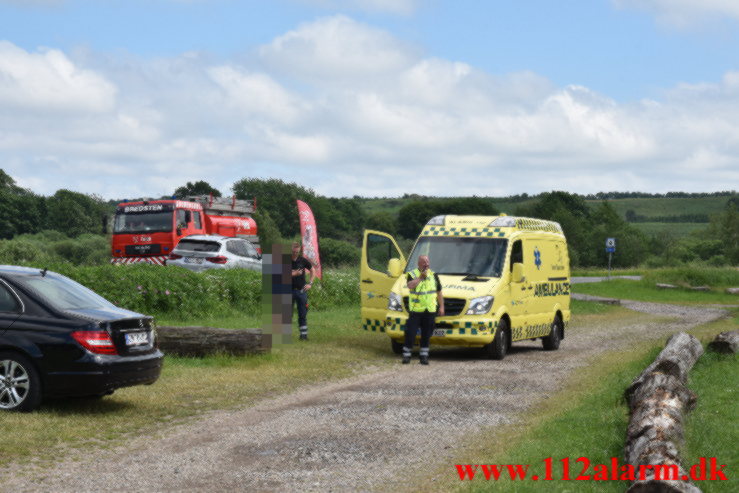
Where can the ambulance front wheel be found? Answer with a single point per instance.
(397, 346)
(498, 348)
(551, 342)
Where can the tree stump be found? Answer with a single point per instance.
(204, 341)
(657, 399)
(725, 342)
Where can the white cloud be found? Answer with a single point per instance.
(347, 109)
(256, 94)
(684, 13)
(337, 49)
(50, 81)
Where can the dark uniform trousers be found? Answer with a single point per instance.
(426, 321)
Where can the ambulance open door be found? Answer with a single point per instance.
(382, 263)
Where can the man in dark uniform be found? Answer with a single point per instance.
(300, 288)
(424, 301)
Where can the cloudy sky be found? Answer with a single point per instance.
(125, 98)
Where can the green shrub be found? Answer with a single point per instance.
(55, 247)
(339, 287)
(336, 253)
(21, 252)
(695, 275)
(84, 250)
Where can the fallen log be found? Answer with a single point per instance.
(657, 400)
(677, 358)
(204, 341)
(725, 342)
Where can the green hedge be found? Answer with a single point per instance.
(180, 293)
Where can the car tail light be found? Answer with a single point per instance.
(174, 256)
(95, 341)
(217, 260)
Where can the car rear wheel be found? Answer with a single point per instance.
(20, 386)
(551, 342)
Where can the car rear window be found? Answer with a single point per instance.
(64, 293)
(199, 246)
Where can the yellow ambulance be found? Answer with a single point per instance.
(504, 279)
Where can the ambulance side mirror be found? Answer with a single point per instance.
(394, 269)
(517, 275)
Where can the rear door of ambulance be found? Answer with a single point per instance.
(375, 282)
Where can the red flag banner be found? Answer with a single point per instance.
(309, 233)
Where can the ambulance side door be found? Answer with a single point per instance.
(540, 314)
(375, 282)
(520, 292)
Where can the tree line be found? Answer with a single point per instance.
(341, 220)
(71, 213)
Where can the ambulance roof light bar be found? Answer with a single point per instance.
(436, 221)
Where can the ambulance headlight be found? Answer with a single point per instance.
(480, 305)
(395, 303)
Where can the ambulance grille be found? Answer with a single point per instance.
(452, 306)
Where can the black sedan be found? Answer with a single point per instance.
(58, 338)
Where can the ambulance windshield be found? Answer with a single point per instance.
(483, 257)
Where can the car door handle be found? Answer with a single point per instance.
(368, 281)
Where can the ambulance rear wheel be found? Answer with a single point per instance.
(498, 348)
(397, 346)
(551, 342)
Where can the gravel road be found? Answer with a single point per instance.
(357, 434)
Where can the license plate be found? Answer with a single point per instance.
(137, 339)
(193, 260)
(439, 332)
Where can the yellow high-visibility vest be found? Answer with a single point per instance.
(424, 296)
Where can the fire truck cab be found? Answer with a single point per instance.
(148, 230)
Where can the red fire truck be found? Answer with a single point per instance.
(148, 230)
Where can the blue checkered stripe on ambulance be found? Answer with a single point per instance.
(474, 232)
(458, 328)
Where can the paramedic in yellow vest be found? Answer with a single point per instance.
(424, 301)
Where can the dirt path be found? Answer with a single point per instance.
(357, 434)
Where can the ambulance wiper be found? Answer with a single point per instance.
(474, 277)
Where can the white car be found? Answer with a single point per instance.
(203, 252)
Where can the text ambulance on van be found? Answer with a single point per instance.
(504, 279)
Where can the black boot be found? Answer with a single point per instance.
(424, 360)
(406, 360)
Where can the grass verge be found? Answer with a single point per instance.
(588, 418)
(646, 291)
(711, 429)
(338, 348)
